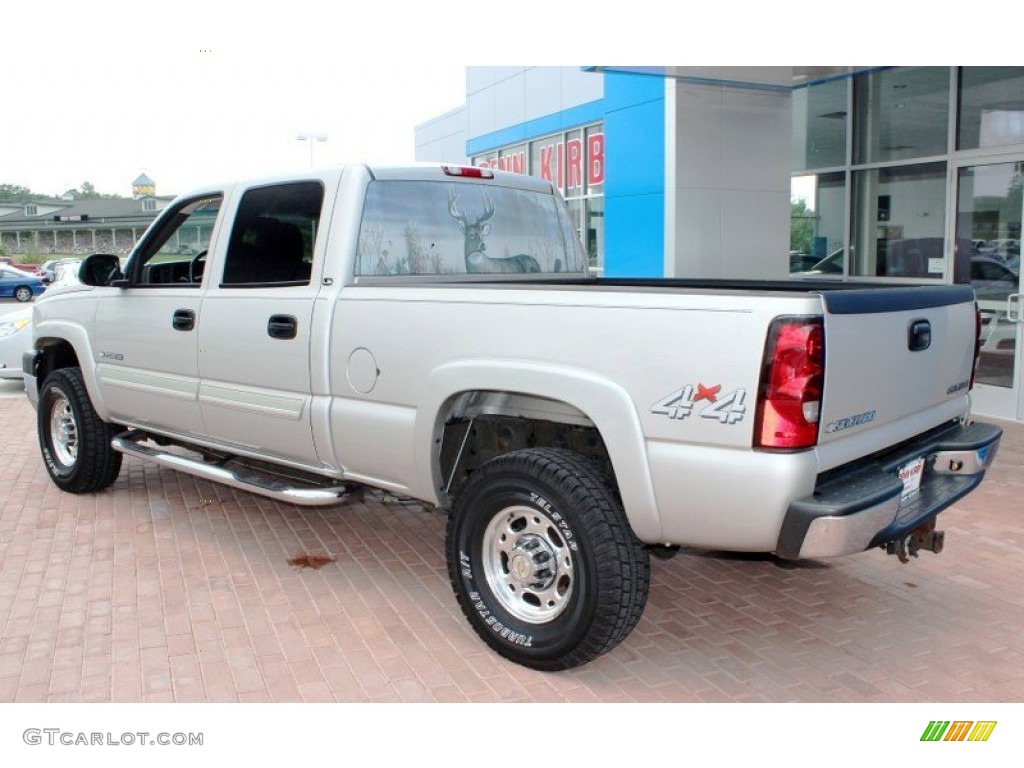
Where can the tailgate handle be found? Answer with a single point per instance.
(919, 336)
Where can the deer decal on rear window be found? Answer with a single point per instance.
(475, 250)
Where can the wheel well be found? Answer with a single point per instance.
(480, 426)
(56, 354)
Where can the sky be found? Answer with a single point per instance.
(191, 93)
(197, 91)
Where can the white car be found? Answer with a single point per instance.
(16, 327)
(15, 339)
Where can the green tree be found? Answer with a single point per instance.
(88, 192)
(801, 226)
(15, 193)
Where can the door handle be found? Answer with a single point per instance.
(282, 327)
(184, 320)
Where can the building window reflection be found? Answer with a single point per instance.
(991, 110)
(900, 114)
(574, 162)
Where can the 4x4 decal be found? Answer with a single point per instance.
(727, 409)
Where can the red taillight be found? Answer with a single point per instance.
(977, 343)
(792, 379)
(470, 172)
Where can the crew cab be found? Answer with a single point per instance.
(434, 332)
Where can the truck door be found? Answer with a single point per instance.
(145, 340)
(254, 341)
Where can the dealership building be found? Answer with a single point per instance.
(911, 174)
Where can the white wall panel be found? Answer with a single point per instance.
(510, 101)
(698, 217)
(480, 112)
(579, 87)
(443, 138)
(756, 146)
(727, 181)
(544, 90)
(755, 234)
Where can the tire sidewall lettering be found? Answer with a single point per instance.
(563, 524)
(538, 638)
(55, 467)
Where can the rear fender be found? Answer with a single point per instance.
(606, 404)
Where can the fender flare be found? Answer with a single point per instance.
(77, 337)
(604, 402)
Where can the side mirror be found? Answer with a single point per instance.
(100, 269)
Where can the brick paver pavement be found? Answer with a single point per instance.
(167, 588)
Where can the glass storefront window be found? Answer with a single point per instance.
(991, 110)
(574, 161)
(595, 159)
(817, 223)
(819, 126)
(899, 221)
(489, 160)
(575, 164)
(512, 159)
(989, 207)
(901, 113)
(593, 234)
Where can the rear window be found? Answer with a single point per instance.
(439, 228)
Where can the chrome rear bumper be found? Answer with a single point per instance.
(855, 508)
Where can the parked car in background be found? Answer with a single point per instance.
(1006, 247)
(16, 326)
(992, 279)
(830, 265)
(65, 272)
(15, 340)
(7, 261)
(47, 271)
(19, 285)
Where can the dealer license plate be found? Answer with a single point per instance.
(911, 474)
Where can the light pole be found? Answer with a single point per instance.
(311, 138)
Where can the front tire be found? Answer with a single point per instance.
(23, 293)
(543, 561)
(74, 440)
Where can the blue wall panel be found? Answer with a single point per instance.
(634, 224)
(633, 111)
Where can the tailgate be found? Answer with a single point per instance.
(897, 361)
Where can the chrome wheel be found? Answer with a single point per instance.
(23, 294)
(63, 431)
(528, 564)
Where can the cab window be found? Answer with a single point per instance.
(274, 235)
(175, 253)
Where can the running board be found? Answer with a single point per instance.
(235, 473)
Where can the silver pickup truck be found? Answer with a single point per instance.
(434, 332)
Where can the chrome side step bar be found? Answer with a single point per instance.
(235, 473)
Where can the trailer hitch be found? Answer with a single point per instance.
(924, 537)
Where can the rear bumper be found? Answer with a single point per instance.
(862, 506)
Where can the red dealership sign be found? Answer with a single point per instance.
(565, 163)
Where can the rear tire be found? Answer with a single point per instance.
(543, 561)
(74, 440)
